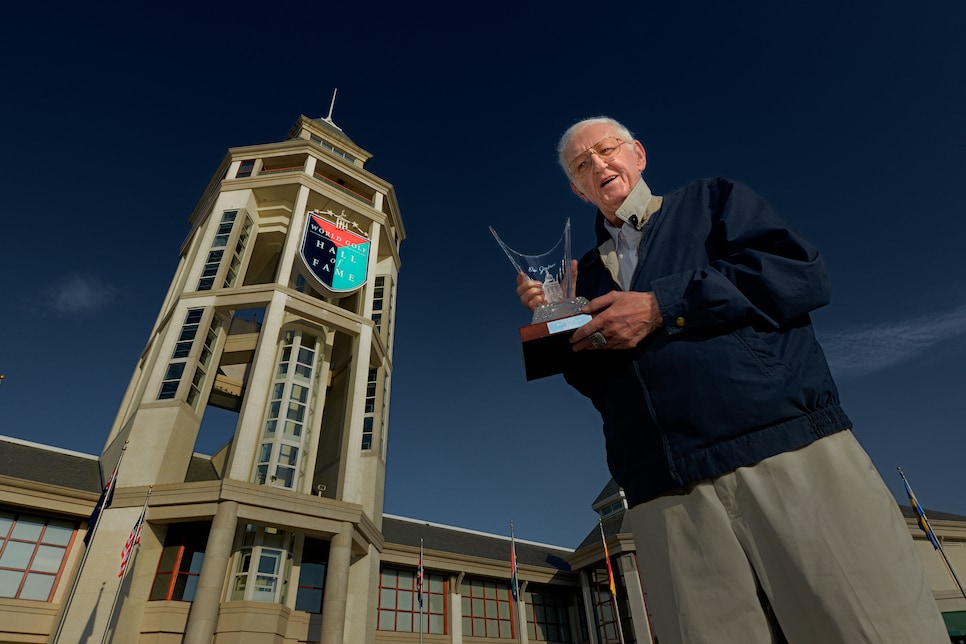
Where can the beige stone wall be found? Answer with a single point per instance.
(26, 621)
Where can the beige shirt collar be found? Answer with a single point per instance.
(639, 205)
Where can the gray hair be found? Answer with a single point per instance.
(579, 125)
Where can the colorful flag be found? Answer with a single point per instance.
(920, 515)
(104, 501)
(514, 581)
(419, 576)
(610, 571)
(133, 539)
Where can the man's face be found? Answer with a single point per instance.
(606, 182)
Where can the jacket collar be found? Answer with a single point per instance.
(637, 208)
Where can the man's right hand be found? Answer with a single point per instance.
(530, 292)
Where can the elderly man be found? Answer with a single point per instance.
(756, 515)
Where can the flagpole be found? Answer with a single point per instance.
(927, 528)
(514, 577)
(610, 579)
(419, 594)
(136, 533)
(515, 586)
(102, 503)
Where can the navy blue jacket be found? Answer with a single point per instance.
(736, 374)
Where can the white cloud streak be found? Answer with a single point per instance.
(864, 350)
(78, 295)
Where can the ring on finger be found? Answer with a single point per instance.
(597, 339)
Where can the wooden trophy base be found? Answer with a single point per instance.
(546, 345)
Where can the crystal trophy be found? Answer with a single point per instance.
(546, 344)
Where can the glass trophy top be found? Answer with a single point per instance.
(554, 270)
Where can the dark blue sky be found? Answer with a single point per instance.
(848, 117)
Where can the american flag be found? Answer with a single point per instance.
(133, 539)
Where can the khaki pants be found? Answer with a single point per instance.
(811, 540)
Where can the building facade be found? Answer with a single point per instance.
(280, 313)
(277, 330)
(463, 577)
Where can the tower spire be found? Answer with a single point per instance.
(328, 119)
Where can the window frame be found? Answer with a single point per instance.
(181, 538)
(491, 609)
(605, 611)
(247, 572)
(216, 252)
(287, 421)
(314, 552)
(246, 167)
(10, 536)
(549, 603)
(435, 611)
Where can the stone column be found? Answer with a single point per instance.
(337, 587)
(456, 612)
(521, 616)
(204, 609)
(635, 598)
(590, 608)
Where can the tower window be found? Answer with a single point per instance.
(368, 421)
(246, 168)
(382, 305)
(284, 432)
(261, 565)
(179, 357)
(236, 257)
(204, 361)
(217, 251)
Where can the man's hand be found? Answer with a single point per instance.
(623, 318)
(530, 292)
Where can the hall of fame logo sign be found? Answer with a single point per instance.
(336, 257)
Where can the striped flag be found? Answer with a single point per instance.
(610, 571)
(133, 539)
(419, 576)
(514, 581)
(920, 515)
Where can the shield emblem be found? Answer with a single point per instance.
(337, 258)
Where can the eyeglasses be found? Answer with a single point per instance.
(605, 149)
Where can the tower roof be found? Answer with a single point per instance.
(326, 130)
